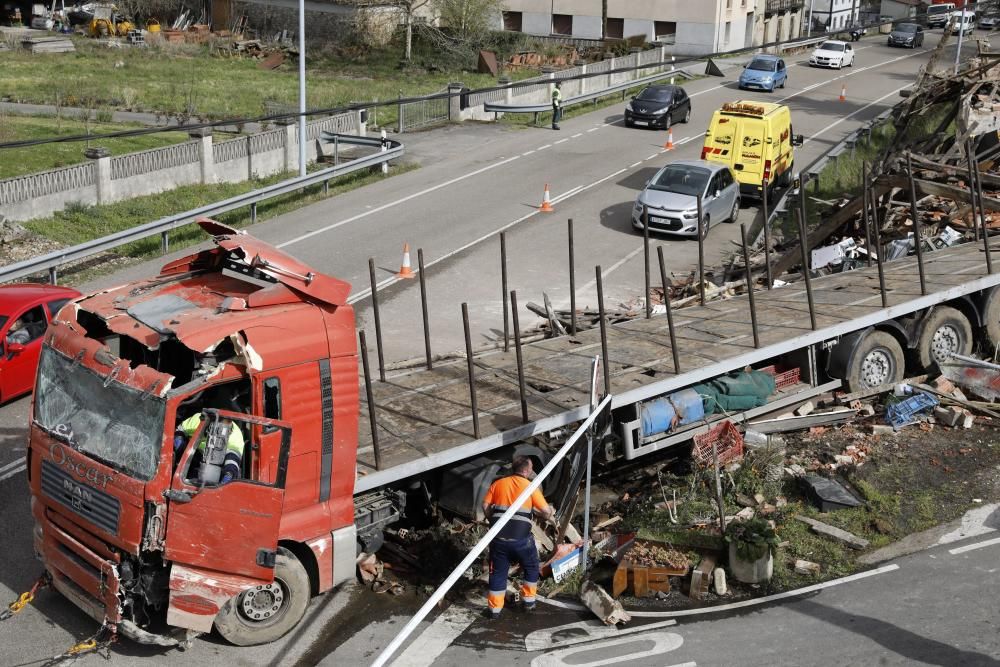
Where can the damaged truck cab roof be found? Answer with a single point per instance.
(243, 290)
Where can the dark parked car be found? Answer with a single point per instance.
(658, 106)
(25, 313)
(907, 34)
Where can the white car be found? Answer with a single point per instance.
(832, 53)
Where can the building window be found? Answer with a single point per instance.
(562, 24)
(729, 28)
(616, 28)
(512, 21)
(664, 29)
(729, 4)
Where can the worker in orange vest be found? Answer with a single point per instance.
(514, 543)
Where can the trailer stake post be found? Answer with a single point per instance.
(472, 372)
(670, 316)
(915, 214)
(645, 262)
(702, 232)
(805, 269)
(866, 217)
(369, 395)
(604, 331)
(753, 305)
(878, 247)
(423, 309)
(982, 211)
(572, 280)
(378, 320)
(520, 360)
(503, 291)
(970, 155)
(767, 234)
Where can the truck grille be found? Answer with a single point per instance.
(92, 504)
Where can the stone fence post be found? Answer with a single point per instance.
(206, 156)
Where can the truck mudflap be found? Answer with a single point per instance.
(197, 595)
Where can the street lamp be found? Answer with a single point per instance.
(302, 87)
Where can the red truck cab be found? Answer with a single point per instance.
(124, 523)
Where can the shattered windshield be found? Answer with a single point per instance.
(115, 424)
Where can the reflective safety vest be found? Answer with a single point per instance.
(505, 491)
(234, 444)
(556, 97)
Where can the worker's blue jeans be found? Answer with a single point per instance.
(502, 554)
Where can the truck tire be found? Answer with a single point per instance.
(945, 331)
(280, 606)
(991, 318)
(878, 360)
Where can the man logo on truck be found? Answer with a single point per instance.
(79, 495)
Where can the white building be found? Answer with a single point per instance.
(779, 21)
(835, 14)
(693, 27)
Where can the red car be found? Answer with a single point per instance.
(25, 313)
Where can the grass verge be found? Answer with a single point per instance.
(77, 224)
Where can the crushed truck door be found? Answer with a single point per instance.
(221, 539)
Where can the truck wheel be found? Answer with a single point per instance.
(944, 332)
(878, 360)
(265, 613)
(991, 316)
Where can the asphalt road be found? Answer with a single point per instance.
(475, 180)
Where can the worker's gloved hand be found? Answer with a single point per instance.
(179, 441)
(226, 479)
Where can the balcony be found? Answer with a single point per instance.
(776, 6)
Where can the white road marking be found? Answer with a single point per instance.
(433, 641)
(561, 141)
(857, 71)
(663, 642)
(973, 524)
(973, 547)
(593, 129)
(527, 153)
(652, 156)
(566, 195)
(578, 134)
(542, 148)
(397, 202)
(10, 473)
(635, 164)
(543, 640)
(741, 604)
(12, 464)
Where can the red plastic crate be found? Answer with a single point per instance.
(785, 378)
(728, 444)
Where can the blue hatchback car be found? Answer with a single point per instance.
(764, 73)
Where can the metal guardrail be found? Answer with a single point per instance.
(50, 262)
(617, 88)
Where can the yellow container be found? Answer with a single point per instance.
(152, 25)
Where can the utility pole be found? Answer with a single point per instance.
(809, 29)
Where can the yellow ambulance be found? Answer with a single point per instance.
(755, 139)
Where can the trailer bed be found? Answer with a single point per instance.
(424, 416)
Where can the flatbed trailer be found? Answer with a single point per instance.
(425, 417)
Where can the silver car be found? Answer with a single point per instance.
(671, 198)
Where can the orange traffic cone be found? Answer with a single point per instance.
(670, 141)
(843, 92)
(546, 206)
(405, 271)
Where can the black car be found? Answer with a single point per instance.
(658, 106)
(909, 35)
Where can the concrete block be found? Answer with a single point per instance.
(719, 581)
(806, 567)
(805, 409)
(606, 608)
(948, 416)
(882, 429)
(827, 530)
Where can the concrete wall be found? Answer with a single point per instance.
(588, 27)
(897, 10)
(110, 179)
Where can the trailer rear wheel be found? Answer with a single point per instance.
(991, 316)
(265, 613)
(878, 360)
(944, 332)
